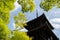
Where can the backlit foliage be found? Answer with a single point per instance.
(20, 20)
(20, 36)
(4, 31)
(27, 5)
(49, 4)
(5, 7)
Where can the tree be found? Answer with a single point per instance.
(5, 7)
(4, 31)
(49, 4)
(27, 5)
(19, 36)
(20, 20)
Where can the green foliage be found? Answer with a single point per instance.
(20, 20)
(27, 5)
(46, 6)
(58, 3)
(20, 36)
(4, 30)
(49, 4)
(5, 7)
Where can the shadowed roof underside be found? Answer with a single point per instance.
(38, 23)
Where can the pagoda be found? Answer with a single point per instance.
(40, 29)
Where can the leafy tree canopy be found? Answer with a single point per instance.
(49, 4)
(20, 20)
(27, 5)
(20, 36)
(4, 31)
(5, 7)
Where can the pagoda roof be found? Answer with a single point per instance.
(38, 22)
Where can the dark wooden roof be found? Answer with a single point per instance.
(43, 33)
(40, 29)
(38, 23)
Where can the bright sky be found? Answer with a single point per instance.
(53, 16)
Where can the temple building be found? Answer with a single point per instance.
(40, 29)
